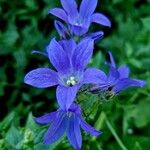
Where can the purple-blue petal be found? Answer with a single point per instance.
(68, 46)
(74, 133)
(60, 13)
(56, 130)
(58, 57)
(123, 71)
(96, 35)
(87, 8)
(75, 108)
(113, 75)
(79, 29)
(101, 19)
(41, 78)
(61, 29)
(89, 129)
(47, 118)
(112, 61)
(66, 96)
(70, 7)
(94, 76)
(83, 54)
(122, 84)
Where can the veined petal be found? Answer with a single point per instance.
(112, 61)
(113, 75)
(68, 46)
(87, 7)
(60, 13)
(58, 57)
(41, 78)
(47, 118)
(83, 54)
(96, 35)
(70, 7)
(56, 130)
(75, 108)
(61, 29)
(89, 129)
(74, 133)
(126, 83)
(66, 96)
(79, 30)
(94, 76)
(101, 19)
(123, 71)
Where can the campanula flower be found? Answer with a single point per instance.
(65, 34)
(70, 60)
(117, 79)
(79, 21)
(68, 122)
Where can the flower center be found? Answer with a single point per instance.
(69, 114)
(71, 81)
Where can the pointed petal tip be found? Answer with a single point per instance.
(97, 133)
(143, 83)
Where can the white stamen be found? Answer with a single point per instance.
(72, 78)
(71, 81)
(68, 82)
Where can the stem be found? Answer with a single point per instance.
(115, 135)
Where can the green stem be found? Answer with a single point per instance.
(115, 135)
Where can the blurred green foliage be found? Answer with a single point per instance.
(125, 120)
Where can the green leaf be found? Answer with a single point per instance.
(13, 137)
(146, 23)
(7, 121)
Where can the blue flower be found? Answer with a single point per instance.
(117, 79)
(68, 122)
(79, 21)
(65, 34)
(70, 60)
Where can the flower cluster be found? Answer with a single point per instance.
(70, 56)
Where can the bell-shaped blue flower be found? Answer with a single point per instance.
(79, 21)
(69, 122)
(117, 79)
(70, 60)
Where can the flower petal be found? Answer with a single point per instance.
(70, 7)
(79, 30)
(113, 75)
(87, 8)
(60, 13)
(96, 35)
(41, 78)
(47, 118)
(58, 57)
(74, 133)
(94, 76)
(126, 83)
(61, 29)
(56, 130)
(83, 54)
(68, 46)
(123, 71)
(66, 96)
(101, 19)
(112, 61)
(85, 126)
